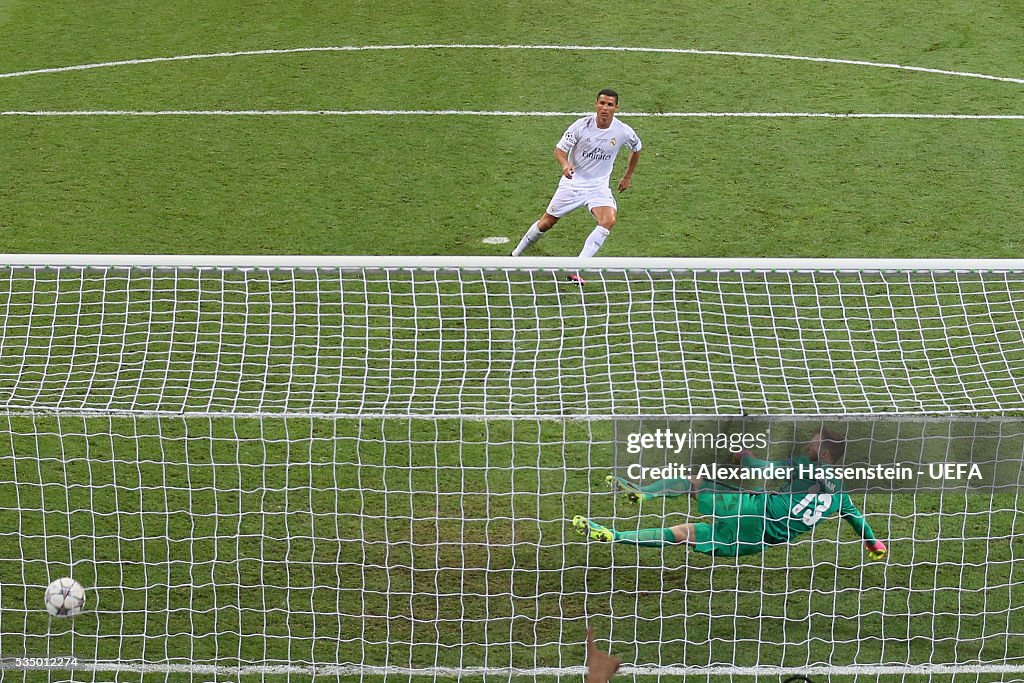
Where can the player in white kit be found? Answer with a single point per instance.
(587, 154)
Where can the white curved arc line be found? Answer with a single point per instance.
(460, 46)
(457, 112)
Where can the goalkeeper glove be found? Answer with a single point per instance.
(876, 549)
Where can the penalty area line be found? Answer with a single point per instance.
(465, 112)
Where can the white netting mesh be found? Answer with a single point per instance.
(442, 545)
(373, 469)
(504, 342)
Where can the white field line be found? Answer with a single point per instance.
(560, 48)
(465, 112)
(576, 671)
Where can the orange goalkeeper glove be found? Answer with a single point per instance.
(876, 549)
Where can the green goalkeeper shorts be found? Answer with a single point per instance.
(738, 527)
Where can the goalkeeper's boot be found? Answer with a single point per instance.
(593, 530)
(663, 488)
(633, 492)
(576, 280)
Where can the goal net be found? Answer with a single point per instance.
(367, 467)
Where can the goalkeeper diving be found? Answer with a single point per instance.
(745, 522)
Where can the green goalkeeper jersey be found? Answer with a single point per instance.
(803, 501)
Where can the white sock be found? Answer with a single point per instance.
(531, 236)
(594, 242)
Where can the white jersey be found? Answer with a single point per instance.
(592, 150)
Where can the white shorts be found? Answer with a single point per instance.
(568, 198)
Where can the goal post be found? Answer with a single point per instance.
(359, 467)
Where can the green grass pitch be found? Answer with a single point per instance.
(425, 185)
(406, 184)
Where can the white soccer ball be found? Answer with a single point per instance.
(65, 598)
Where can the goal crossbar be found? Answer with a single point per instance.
(227, 261)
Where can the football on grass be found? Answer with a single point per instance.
(65, 598)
